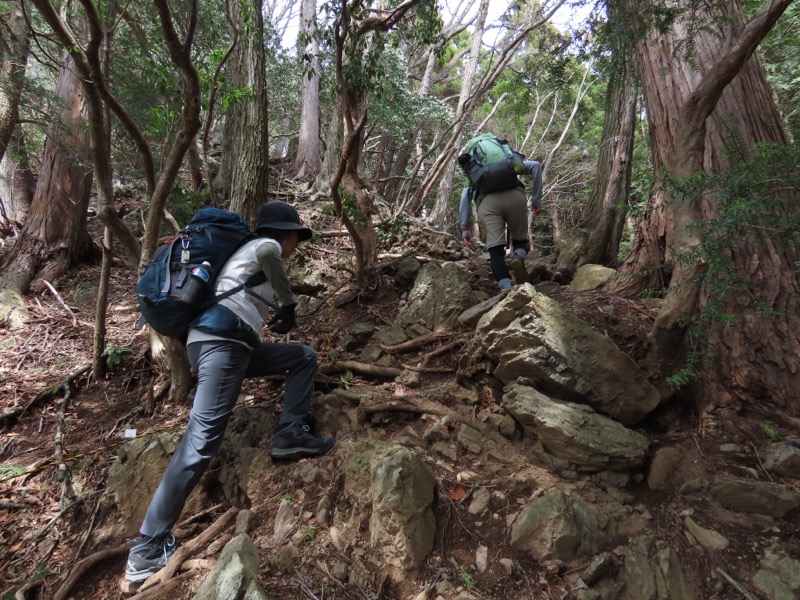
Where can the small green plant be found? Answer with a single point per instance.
(771, 433)
(288, 498)
(466, 579)
(10, 471)
(114, 356)
(309, 533)
(345, 379)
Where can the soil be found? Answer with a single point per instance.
(49, 511)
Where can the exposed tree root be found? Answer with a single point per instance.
(182, 553)
(13, 415)
(86, 564)
(359, 367)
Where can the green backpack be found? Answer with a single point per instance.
(490, 164)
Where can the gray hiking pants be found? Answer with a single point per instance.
(222, 367)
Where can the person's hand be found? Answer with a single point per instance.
(466, 235)
(536, 211)
(284, 319)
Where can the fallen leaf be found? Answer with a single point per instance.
(458, 493)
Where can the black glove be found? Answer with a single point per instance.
(283, 321)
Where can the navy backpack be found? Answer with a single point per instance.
(177, 285)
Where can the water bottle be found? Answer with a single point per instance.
(203, 272)
(196, 286)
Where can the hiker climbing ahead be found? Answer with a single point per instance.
(493, 169)
(224, 347)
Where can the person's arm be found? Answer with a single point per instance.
(465, 212)
(270, 261)
(534, 170)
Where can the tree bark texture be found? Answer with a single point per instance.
(14, 42)
(596, 238)
(54, 236)
(17, 183)
(757, 357)
(246, 135)
(746, 107)
(309, 159)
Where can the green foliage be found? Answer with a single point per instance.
(114, 356)
(308, 533)
(754, 202)
(288, 498)
(771, 433)
(466, 578)
(781, 52)
(11, 471)
(392, 229)
(353, 209)
(345, 379)
(399, 111)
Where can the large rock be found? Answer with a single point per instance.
(235, 576)
(783, 458)
(755, 497)
(531, 335)
(135, 475)
(651, 573)
(575, 432)
(556, 526)
(589, 277)
(440, 294)
(392, 488)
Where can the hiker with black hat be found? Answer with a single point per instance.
(224, 347)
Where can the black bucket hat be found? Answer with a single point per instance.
(280, 215)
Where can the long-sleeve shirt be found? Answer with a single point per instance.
(531, 168)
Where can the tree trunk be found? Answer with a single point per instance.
(596, 238)
(309, 160)
(17, 183)
(333, 147)
(14, 42)
(439, 214)
(746, 107)
(758, 356)
(246, 138)
(55, 236)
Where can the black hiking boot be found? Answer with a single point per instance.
(148, 555)
(295, 440)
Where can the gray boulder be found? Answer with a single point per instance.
(556, 526)
(783, 458)
(589, 277)
(574, 432)
(235, 577)
(391, 488)
(531, 335)
(440, 294)
(755, 497)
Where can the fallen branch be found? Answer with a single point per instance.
(185, 551)
(409, 406)
(359, 367)
(417, 342)
(64, 474)
(738, 586)
(442, 349)
(60, 301)
(86, 564)
(13, 415)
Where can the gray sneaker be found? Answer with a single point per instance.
(148, 555)
(295, 440)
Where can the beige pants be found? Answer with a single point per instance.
(501, 209)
